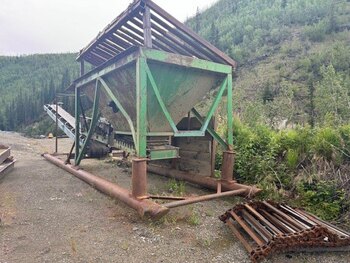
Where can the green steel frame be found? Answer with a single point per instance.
(94, 119)
(143, 77)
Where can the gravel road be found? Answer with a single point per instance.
(47, 215)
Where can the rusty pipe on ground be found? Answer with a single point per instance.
(203, 198)
(143, 207)
(204, 181)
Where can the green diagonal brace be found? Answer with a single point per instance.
(141, 107)
(229, 112)
(95, 117)
(214, 105)
(211, 131)
(120, 107)
(159, 98)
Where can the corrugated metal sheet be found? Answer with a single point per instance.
(165, 33)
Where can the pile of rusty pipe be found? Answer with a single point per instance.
(205, 181)
(265, 228)
(143, 207)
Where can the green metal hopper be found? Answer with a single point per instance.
(150, 73)
(148, 92)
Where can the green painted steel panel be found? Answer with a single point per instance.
(181, 88)
(164, 154)
(168, 85)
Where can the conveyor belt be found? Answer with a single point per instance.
(64, 114)
(65, 121)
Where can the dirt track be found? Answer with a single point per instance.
(47, 215)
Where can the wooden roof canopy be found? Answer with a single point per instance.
(144, 23)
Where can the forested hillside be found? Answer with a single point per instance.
(28, 82)
(293, 63)
(293, 55)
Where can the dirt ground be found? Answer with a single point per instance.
(48, 215)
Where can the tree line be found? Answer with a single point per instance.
(29, 82)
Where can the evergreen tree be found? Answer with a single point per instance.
(332, 95)
(214, 35)
(197, 20)
(332, 17)
(283, 4)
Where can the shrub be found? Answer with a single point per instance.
(326, 142)
(323, 198)
(345, 136)
(294, 163)
(316, 32)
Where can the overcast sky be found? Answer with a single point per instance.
(54, 26)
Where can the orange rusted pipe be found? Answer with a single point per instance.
(205, 181)
(143, 207)
(203, 198)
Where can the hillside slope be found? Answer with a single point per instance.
(293, 56)
(28, 82)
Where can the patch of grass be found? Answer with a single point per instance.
(204, 242)
(176, 187)
(174, 217)
(217, 174)
(194, 219)
(168, 220)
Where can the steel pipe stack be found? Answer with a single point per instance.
(265, 228)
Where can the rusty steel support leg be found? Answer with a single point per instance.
(143, 207)
(139, 177)
(227, 166)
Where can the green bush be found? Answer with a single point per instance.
(316, 32)
(323, 198)
(291, 163)
(345, 136)
(327, 141)
(292, 159)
